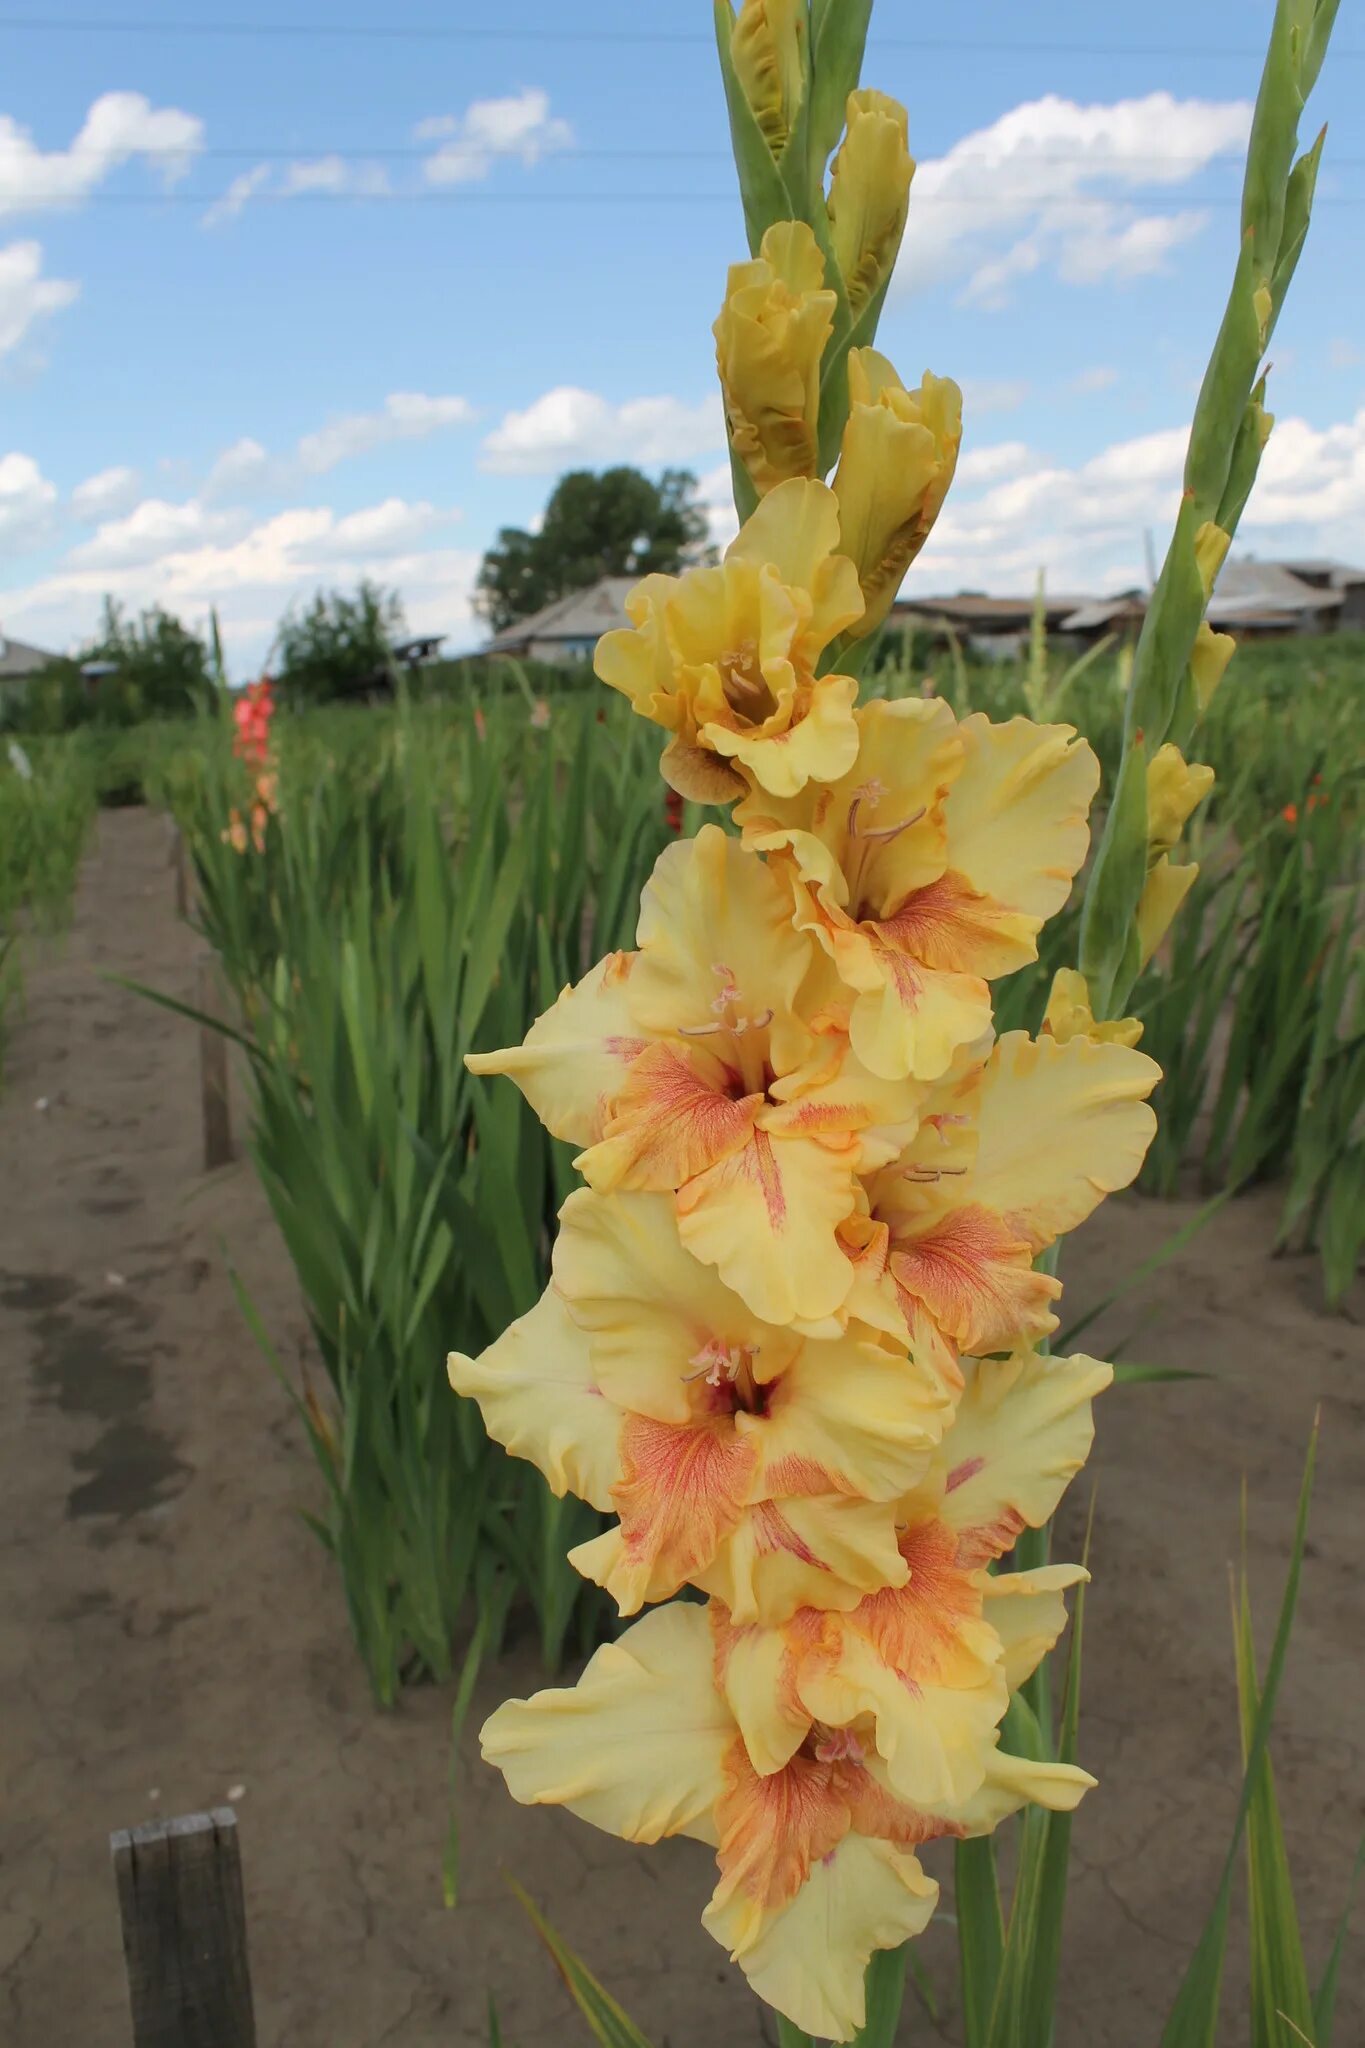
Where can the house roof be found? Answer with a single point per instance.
(1338, 575)
(582, 615)
(1251, 589)
(18, 660)
(974, 608)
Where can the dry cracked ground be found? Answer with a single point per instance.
(171, 1636)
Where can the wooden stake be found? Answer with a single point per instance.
(213, 1069)
(184, 1932)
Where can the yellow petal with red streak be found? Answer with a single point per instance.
(766, 1219)
(575, 1057)
(1022, 1432)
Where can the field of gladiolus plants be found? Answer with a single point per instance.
(674, 1101)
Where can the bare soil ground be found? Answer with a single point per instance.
(171, 1635)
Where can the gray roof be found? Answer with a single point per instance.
(582, 615)
(18, 660)
(1248, 588)
(1339, 575)
(1104, 611)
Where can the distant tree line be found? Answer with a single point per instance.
(339, 644)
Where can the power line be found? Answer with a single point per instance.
(350, 153)
(649, 38)
(26, 201)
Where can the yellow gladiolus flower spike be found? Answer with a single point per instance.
(768, 51)
(870, 193)
(1011, 1153)
(928, 868)
(738, 1457)
(770, 340)
(691, 1725)
(725, 659)
(688, 1067)
(899, 453)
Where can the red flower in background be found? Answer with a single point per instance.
(253, 712)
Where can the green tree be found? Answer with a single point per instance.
(616, 523)
(339, 646)
(151, 666)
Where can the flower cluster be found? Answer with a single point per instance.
(794, 1345)
(252, 715)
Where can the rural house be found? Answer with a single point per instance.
(569, 628)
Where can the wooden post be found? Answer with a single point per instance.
(213, 1068)
(184, 1932)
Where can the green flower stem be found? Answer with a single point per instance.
(1227, 435)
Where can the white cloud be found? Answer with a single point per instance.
(1084, 524)
(307, 175)
(119, 127)
(247, 466)
(519, 126)
(243, 187)
(1053, 185)
(153, 529)
(250, 571)
(105, 494)
(1100, 378)
(570, 426)
(992, 394)
(988, 465)
(27, 500)
(25, 294)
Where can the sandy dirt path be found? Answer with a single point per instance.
(171, 1636)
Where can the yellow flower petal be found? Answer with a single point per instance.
(1027, 1610)
(897, 460)
(1174, 788)
(649, 1307)
(766, 1220)
(637, 1747)
(820, 745)
(1163, 892)
(1023, 1430)
(808, 1960)
(768, 51)
(1069, 1014)
(869, 193)
(827, 1551)
(770, 340)
(851, 1413)
(575, 1057)
(1060, 1127)
(1208, 662)
(1017, 815)
(715, 929)
(536, 1391)
(1014, 1781)
(726, 655)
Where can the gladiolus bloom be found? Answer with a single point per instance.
(725, 659)
(768, 51)
(870, 193)
(737, 1456)
(1009, 1155)
(1069, 1014)
(927, 868)
(770, 341)
(817, 1757)
(899, 453)
(688, 1067)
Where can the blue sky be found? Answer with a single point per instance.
(278, 310)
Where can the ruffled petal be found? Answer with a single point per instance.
(1027, 1610)
(822, 1552)
(766, 1219)
(1061, 1127)
(575, 1057)
(1018, 815)
(538, 1397)
(1023, 1430)
(807, 1959)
